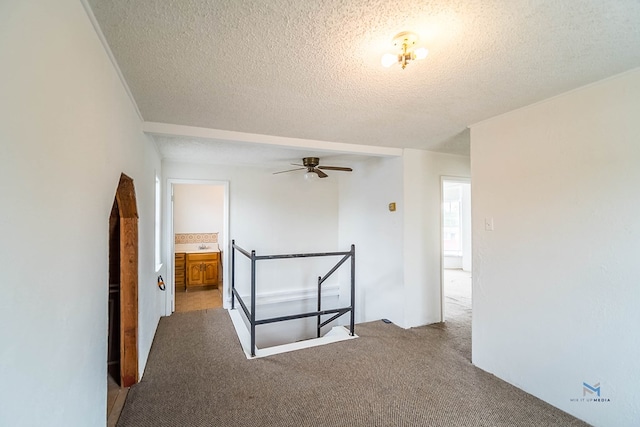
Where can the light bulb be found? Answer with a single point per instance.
(421, 53)
(311, 176)
(388, 59)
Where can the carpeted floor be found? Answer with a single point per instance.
(197, 375)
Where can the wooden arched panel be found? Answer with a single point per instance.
(128, 212)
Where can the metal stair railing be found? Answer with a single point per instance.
(251, 314)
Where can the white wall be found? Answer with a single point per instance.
(286, 214)
(68, 130)
(422, 237)
(397, 253)
(274, 214)
(555, 285)
(365, 220)
(198, 209)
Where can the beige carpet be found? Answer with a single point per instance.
(197, 375)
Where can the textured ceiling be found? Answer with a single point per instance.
(312, 70)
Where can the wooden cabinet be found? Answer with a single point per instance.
(194, 273)
(179, 267)
(202, 269)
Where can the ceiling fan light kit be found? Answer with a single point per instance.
(313, 167)
(311, 176)
(405, 44)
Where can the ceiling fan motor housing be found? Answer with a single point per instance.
(312, 165)
(311, 162)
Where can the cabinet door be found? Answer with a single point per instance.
(194, 273)
(210, 273)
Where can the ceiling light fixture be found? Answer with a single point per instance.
(406, 43)
(311, 176)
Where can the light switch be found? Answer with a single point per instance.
(488, 224)
(392, 206)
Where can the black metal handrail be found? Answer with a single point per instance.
(251, 314)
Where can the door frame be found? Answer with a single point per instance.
(170, 241)
(443, 179)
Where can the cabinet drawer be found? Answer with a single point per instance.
(179, 268)
(204, 257)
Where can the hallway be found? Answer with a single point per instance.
(457, 292)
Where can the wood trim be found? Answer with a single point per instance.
(128, 212)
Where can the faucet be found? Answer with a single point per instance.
(203, 246)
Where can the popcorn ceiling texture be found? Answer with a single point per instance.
(312, 69)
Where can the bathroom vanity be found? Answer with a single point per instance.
(197, 260)
(202, 269)
(196, 269)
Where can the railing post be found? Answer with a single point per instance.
(353, 288)
(253, 303)
(319, 302)
(233, 274)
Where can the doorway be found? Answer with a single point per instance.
(197, 217)
(456, 248)
(122, 333)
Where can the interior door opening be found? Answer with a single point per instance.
(456, 248)
(198, 236)
(113, 353)
(122, 331)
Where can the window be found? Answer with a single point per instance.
(452, 220)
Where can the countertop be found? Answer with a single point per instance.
(194, 248)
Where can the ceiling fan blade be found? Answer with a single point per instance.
(290, 170)
(320, 173)
(335, 168)
(297, 164)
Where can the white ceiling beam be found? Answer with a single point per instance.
(166, 129)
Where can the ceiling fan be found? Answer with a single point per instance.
(312, 165)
